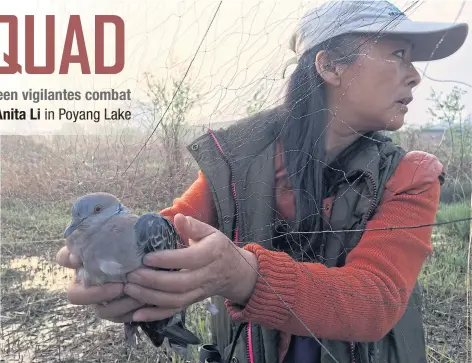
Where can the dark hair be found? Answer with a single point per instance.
(303, 138)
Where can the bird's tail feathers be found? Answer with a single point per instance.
(177, 334)
(178, 337)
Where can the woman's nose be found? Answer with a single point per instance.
(413, 77)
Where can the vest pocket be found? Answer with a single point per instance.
(222, 325)
(240, 353)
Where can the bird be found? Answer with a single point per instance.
(111, 242)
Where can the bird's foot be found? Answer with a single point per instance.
(131, 334)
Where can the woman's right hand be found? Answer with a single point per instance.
(118, 311)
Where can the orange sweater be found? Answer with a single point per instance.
(360, 301)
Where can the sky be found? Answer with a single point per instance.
(245, 47)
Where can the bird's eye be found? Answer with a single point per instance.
(97, 209)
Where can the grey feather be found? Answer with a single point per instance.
(111, 241)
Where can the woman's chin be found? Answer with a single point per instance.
(395, 123)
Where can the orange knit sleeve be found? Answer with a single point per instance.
(364, 299)
(196, 202)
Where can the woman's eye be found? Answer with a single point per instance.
(400, 53)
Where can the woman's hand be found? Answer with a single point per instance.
(118, 311)
(211, 265)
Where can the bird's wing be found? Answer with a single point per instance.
(110, 267)
(110, 251)
(155, 233)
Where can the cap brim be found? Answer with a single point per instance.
(431, 41)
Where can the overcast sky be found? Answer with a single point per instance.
(246, 44)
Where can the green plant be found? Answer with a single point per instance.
(453, 191)
(456, 146)
(452, 212)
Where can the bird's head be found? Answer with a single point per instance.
(93, 209)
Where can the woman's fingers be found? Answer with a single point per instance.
(75, 260)
(164, 299)
(192, 228)
(118, 311)
(65, 259)
(77, 294)
(171, 281)
(151, 314)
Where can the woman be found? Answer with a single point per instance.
(314, 199)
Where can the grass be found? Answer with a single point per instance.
(25, 221)
(38, 325)
(444, 280)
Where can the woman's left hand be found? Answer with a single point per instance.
(211, 265)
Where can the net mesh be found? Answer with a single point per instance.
(210, 65)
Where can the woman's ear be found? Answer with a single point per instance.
(328, 71)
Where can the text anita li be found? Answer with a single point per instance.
(33, 114)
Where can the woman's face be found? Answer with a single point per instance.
(374, 91)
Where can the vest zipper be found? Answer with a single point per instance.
(373, 205)
(364, 223)
(352, 345)
(233, 185)
(250, 352)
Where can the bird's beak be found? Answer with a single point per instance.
(72, 227)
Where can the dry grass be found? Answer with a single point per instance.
(58, 169)
(41, 176)
(444, 282)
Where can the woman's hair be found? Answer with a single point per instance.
(303, 137)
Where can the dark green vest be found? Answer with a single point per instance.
(239, 165)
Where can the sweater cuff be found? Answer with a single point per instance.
(274, 294)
